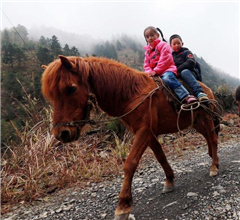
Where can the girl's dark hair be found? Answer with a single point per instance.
(161, 34)
(155, 30)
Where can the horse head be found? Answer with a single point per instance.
(64, 84)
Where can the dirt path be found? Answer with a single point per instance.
(196, 195)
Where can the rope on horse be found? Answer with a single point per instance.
(187, 107)
(215, 114)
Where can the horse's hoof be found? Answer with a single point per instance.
(167, 189)
(213, 173)
(122, 216)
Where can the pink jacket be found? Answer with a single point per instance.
(159, 58)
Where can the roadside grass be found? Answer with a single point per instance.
(41, 165)
(37, 164)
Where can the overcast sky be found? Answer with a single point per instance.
(209, 29)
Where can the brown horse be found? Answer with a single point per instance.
(67, 82)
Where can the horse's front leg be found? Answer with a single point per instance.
(125, 197)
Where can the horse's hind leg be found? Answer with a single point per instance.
(205, 126)
(159, 154)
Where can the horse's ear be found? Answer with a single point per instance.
(44, 66)
(67, 63)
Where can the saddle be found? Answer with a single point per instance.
(169, 93)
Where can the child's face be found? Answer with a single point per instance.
(150, 35)
(176, 44)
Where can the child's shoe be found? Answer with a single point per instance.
(202, 96)
(190, 99)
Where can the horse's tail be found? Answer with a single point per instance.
(216, 114)
(216, 122)
(214, 109)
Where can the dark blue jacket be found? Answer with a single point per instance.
(184, 60)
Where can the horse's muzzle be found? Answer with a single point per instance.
(66, 134)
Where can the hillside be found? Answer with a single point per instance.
(214, 77)
(130, 53)
(21, 57)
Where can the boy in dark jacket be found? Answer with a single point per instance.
(185, 63)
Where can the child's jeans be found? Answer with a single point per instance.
(189, 78)
(170, 79)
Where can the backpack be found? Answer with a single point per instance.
(196, 69)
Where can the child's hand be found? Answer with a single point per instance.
(153, 73)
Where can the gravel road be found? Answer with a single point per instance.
(196, 194)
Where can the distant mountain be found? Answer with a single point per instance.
(85, 43)
(214, 77)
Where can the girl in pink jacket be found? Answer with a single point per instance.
(159, 61)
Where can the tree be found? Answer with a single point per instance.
(44, 55)
(110, 51)
(19, 35)
(66, 50)
(8, 52)
(12, 52)
(11, 86)
(74, 51)
(113, 53)
(19, 55)
(37, 84)
(70, 52)
(5, 37)
(43, 41)
(99, 50)
(119, 45)
(55, 47)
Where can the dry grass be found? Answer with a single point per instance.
(38, 164)
(42, 165)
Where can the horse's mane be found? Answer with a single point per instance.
(126, 81)
(102, 73)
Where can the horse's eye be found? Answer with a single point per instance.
(71, 89)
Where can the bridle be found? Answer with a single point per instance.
(91, 101)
